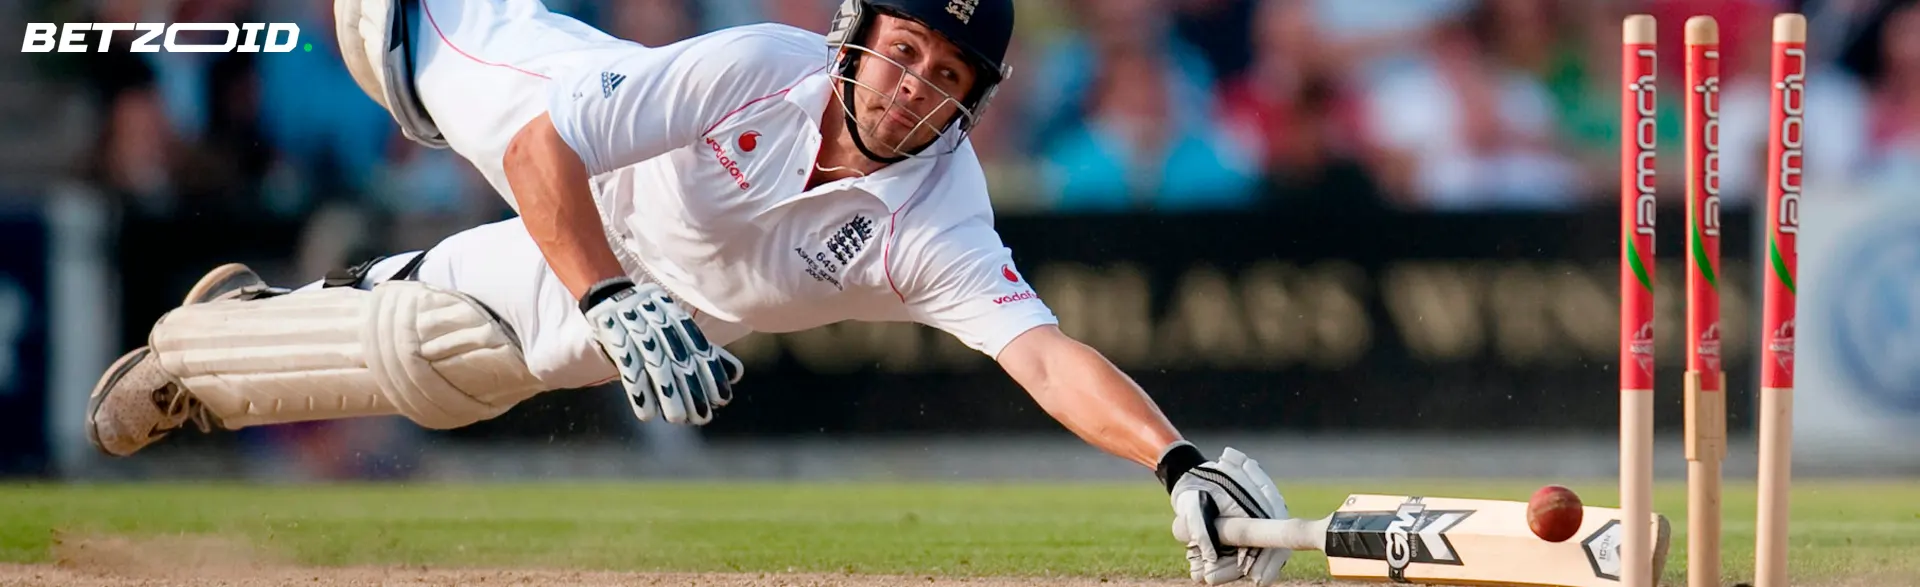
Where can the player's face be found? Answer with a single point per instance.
(906, 106)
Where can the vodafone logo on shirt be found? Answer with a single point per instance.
(1006, 272)
(1019, 297)
(732, 167)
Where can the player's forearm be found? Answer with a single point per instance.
(550, 185)
(1102, 405)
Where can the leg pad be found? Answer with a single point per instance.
(437, 357)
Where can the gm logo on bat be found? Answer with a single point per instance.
(1409, 534)
(220, 37)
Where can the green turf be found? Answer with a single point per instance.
(1839, 529)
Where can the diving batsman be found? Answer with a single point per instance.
(670, 200)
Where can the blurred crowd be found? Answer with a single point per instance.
(1155, 106)
(1114, 105)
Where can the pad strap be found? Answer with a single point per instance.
(353, 276)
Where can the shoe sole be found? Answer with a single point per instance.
(99, 395)
(220, 282)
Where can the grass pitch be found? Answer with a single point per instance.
(1840, 530)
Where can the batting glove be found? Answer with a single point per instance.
(1232, 487)
(666, 364)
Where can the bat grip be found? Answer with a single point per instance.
(1293, 534)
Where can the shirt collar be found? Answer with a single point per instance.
(896, 184)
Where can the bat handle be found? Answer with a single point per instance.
(1292, 534)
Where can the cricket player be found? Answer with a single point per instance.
(670, 200)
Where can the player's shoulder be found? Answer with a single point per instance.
(957, 190)
(953, 213)
(768, 47)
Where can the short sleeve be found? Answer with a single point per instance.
(966, 284)
(642, 103)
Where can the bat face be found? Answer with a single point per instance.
(1409, 539)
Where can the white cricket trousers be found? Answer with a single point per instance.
(481, 69)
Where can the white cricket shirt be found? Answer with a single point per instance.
(700, 153)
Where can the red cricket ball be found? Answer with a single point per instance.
(1554, 513)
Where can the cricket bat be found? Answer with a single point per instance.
(1446, 541)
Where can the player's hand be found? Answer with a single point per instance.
(666, 364)
(1232, 487)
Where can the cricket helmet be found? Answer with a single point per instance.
(982, 29)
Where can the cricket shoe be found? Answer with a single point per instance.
(136, 404)
(232, 281)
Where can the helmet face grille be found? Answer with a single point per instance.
(982, 36)
(947, 138)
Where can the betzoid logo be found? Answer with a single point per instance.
(202, 37)
(1410, 534)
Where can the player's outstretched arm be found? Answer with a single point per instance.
(1086, 393)
(550, 187)
(1093, 398)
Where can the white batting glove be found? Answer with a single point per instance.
(666, 364)
(1232, 487)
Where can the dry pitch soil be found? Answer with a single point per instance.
(65, 576)
(198, 561)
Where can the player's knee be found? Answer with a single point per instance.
(444, 359)
(566, 361)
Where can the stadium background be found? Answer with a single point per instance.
(1352, 237)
